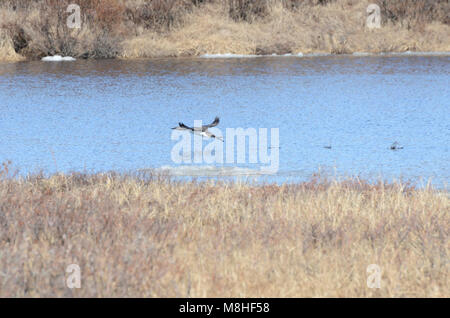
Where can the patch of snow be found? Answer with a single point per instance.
(57, 58)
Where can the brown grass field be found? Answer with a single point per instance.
(173, 28)
(156, 237)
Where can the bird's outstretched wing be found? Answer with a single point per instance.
(185, 127)
(213, 124)
(182, 126)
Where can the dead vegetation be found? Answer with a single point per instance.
(143, 28)
(155, 237)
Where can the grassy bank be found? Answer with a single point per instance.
(160, 28)
(162, 238)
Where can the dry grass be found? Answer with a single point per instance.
(7, 52)
(152, 237)
(338, 27)
(141, 28)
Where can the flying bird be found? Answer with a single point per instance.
(203, 130)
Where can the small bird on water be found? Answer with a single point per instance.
(396, 146)
(203, 130)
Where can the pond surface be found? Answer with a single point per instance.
(339, 115)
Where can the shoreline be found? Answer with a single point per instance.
(244, 56)
(232, 176)
(210, 28)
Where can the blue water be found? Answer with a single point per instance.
(96, 116)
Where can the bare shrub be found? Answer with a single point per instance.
(250, 10)
(158, 14)
(247, 10)
(413, 12)
(109, 14)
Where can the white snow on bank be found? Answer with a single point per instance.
(363, 54)
(57, 58)
(231, 55)
(227, 55)
(290, 54)
(319, 54)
